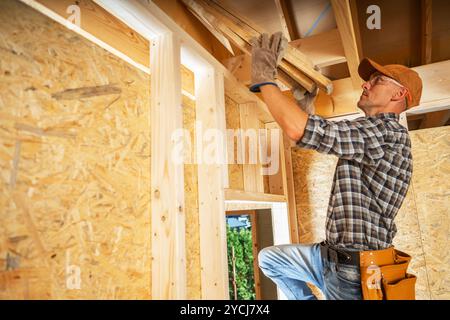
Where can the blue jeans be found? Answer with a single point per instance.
(291, 266)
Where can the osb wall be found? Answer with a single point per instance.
(193, 268)
(74, 165)
(422, 221)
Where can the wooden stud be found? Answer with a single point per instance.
(287, 25)
(295, 64)
(210, 111)
(427, 30)
(252, 168)
(167, 182)
(241, 195)
(344, 22)
(255, 249)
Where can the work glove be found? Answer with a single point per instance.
(304, 98)
(266, 55)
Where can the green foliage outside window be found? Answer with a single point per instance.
(241, 240)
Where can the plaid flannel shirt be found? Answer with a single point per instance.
(371, 179)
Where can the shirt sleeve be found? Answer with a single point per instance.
(358, 140)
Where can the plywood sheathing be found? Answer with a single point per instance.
(193, 268)
(101, 24)
(80, 201)
(431, 182)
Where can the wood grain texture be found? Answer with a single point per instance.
(431, 154)
(105, 27)
(79, 211)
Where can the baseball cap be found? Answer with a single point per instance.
(407, 77)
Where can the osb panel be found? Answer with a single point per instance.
(235, 171)
(408, 239)
(192, 213)
(431, 180)
(313, 177)
(74, 165)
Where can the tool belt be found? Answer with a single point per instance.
(383, 272)
(339, 255)
(384, 275)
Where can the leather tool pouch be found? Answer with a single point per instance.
(384, 275)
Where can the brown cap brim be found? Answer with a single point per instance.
(367, 67)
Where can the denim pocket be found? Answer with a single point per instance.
(349, 274)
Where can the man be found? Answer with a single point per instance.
(371, 179)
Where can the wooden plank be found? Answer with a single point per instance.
(427, 30)
(356, 28)
(255, 250)
(60, 19)
(276, 183)
(252, 168)
(324, 49)
(210, 106)
(167, 182)
(343, 100)
(344, 22)
(435, 119)
(147, 17)
(287, 25)
(104, 26)
(436, 81)
(241, 195)
(294, 62)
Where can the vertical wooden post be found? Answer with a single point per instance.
(210, 106)
(167, 177)
(253, 178)
(427, 30)
(288, 187)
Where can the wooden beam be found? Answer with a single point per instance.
(167, 183)
(435, 119)
(287, 25)
(324, 49)
(252, 168)
(255, 250)
(112, 45)
(289, 189)
(295, 64)
(344, 22)
(427, 30)
(241, 195)
(101, 24)
(356, 28)
(210, 111)
(283, 182)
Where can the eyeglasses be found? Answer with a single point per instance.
(376, 79)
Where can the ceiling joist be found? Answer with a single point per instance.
(295, 65)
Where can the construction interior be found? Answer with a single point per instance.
(92, 203)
